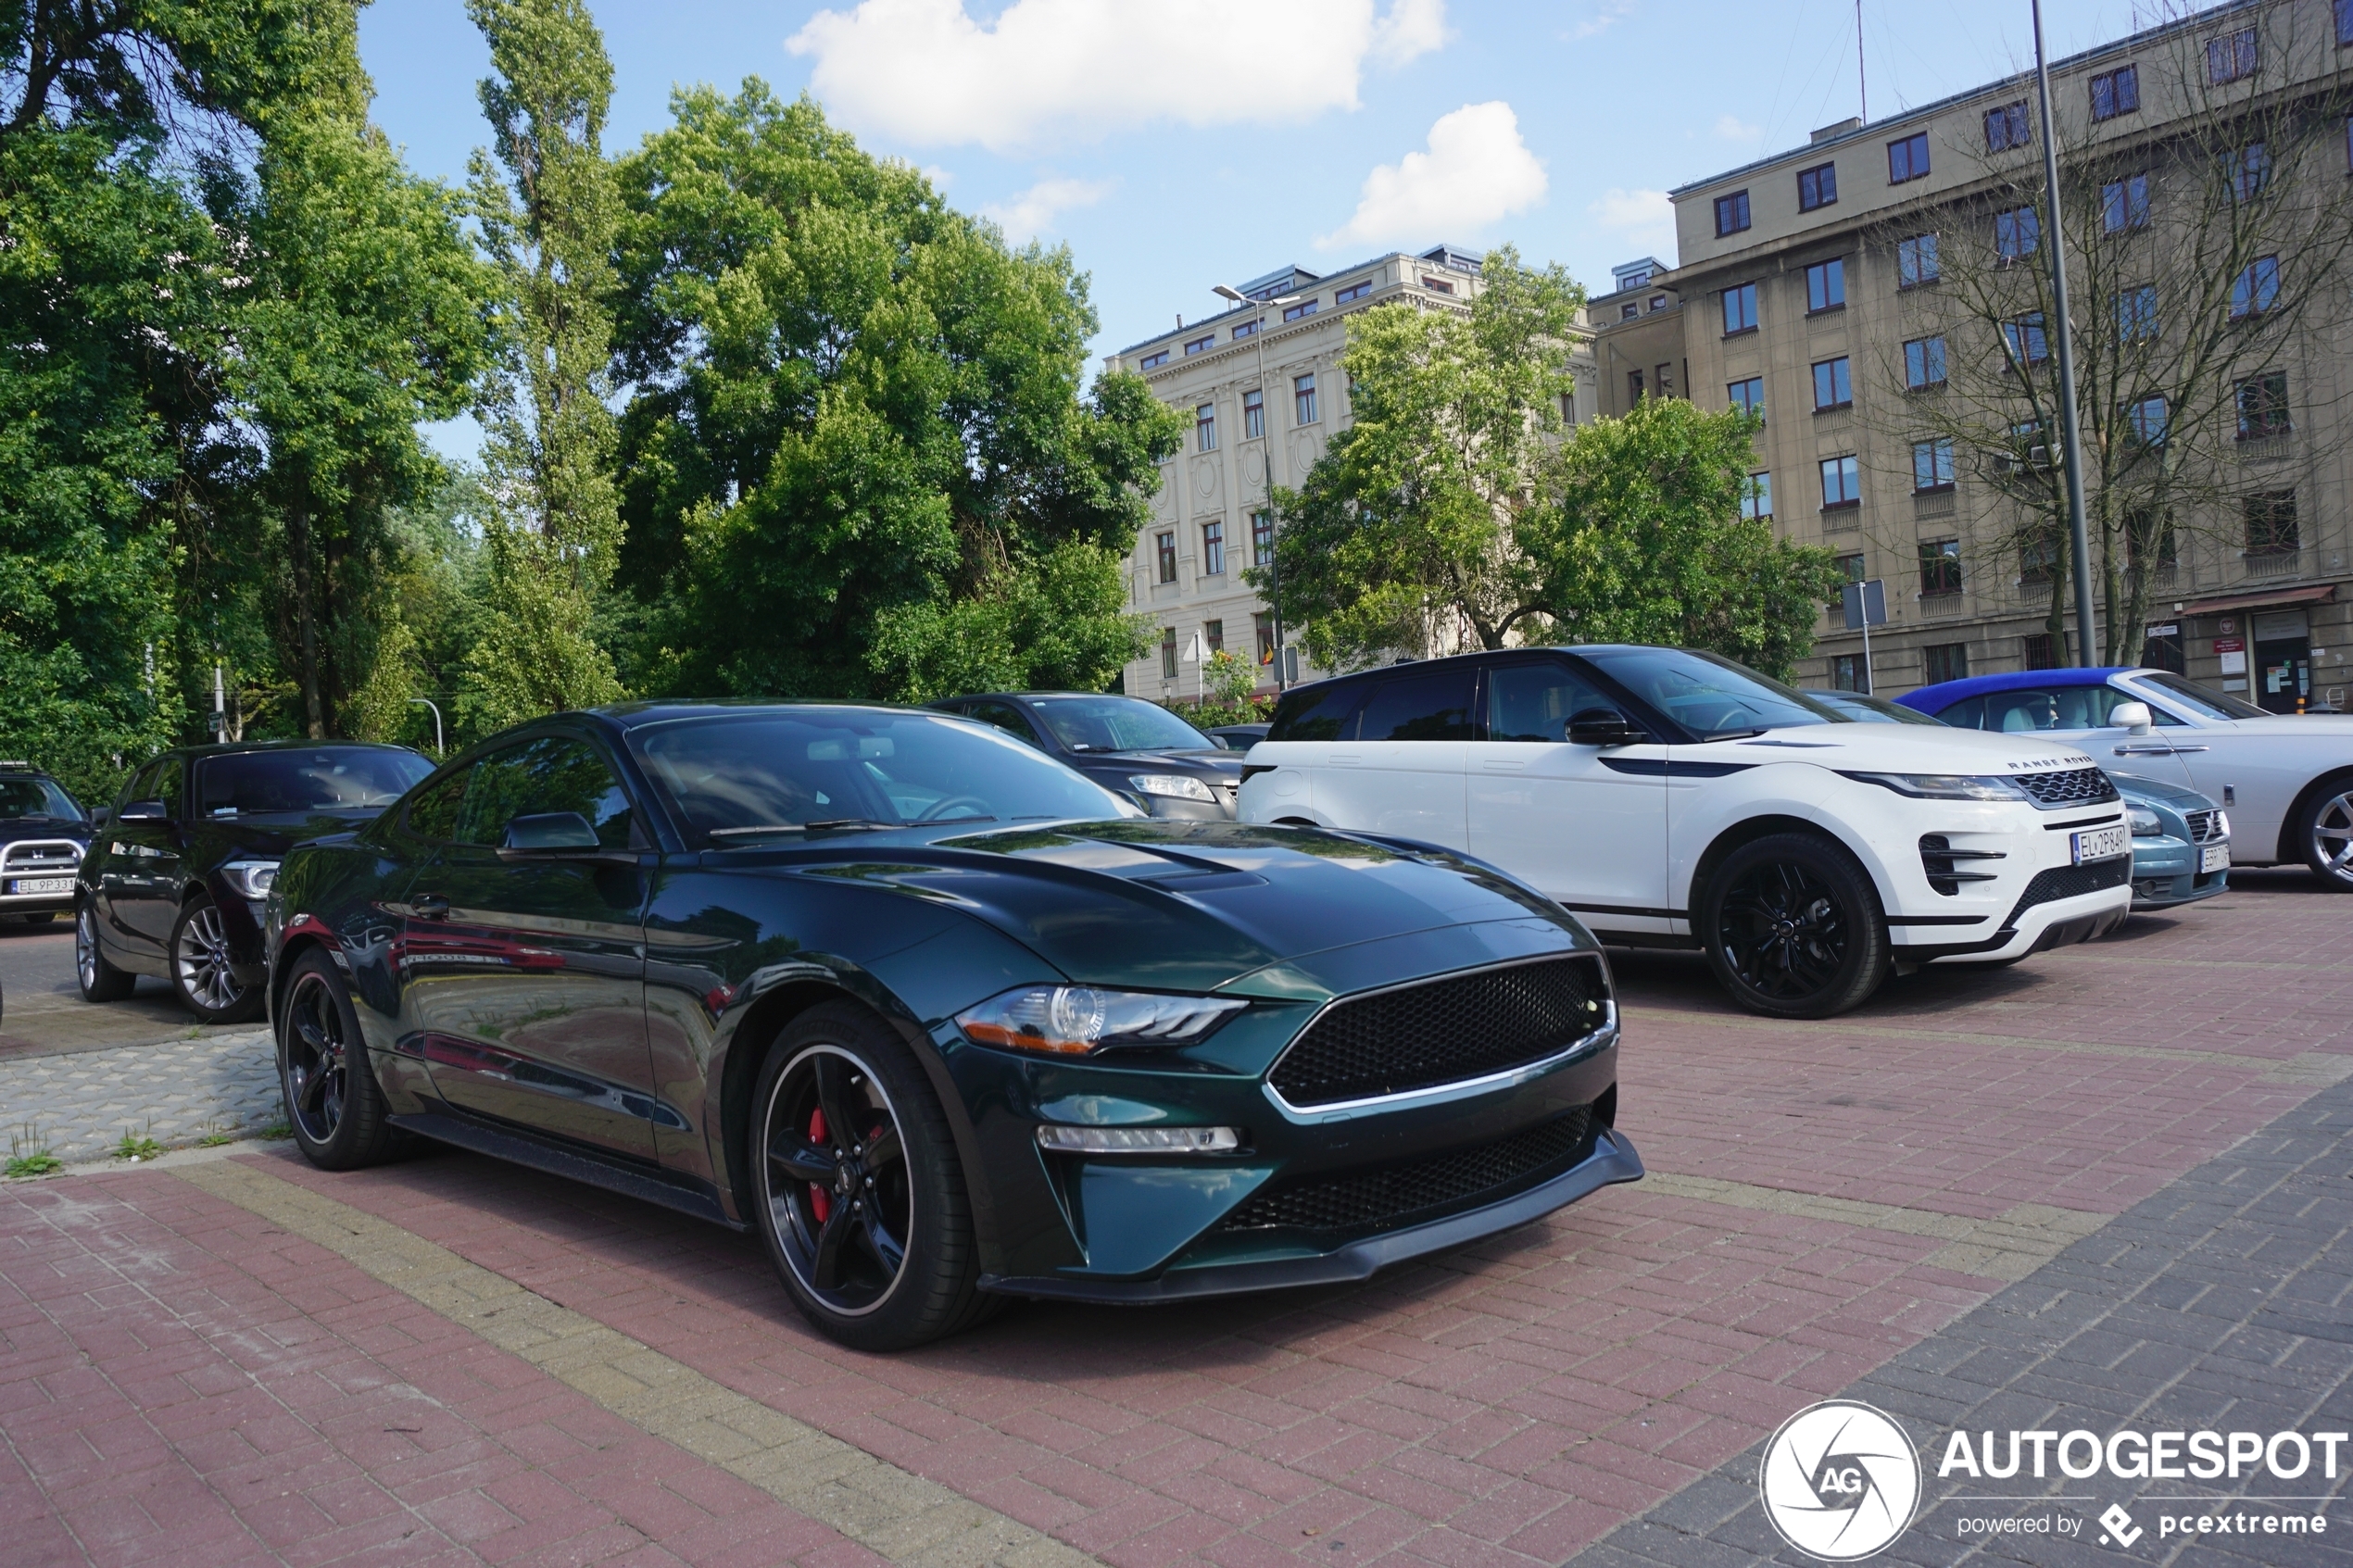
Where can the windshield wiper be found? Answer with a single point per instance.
(1731, 735)
(830, 822)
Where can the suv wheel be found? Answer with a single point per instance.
(200, 967)
(2324, 831)
(1793, 927)
(100, 981)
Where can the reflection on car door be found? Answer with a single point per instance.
(2079, 716)
(139, 880)
(524, 981)
(1588, 826)
(1403, 772)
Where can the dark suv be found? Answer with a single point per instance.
(43, 834)
(1135, 748)
(174, 883)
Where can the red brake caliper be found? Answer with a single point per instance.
(821, 1202)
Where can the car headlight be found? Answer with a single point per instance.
(1174, 785)
(250, 879)
(2145, 821)
(1075, 1020)
(1946, 786)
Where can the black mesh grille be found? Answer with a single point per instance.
(1389, 1194)
(2069, 881)
(1444, 1031)
(2205, 826)
(2082, 787)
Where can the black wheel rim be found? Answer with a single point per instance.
(1783, 934)
(2332, 834)
(86, 949)
(840, 1202)
(316, 1064)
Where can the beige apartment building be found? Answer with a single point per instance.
(1262, 385)
(1803, 287)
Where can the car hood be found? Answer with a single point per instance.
(19, 830)
(2141, 791)
(1194, 905)
(1898, 748)
(1226, 762)
(275, 833)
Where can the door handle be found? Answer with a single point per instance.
(429, 906)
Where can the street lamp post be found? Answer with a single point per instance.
(438, 749)
(2071, 450)
(1267, 460)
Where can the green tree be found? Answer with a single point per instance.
(859, 461)
(1407, 534)
(1646, 544)
(548, 223)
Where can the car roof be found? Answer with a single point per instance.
(635, 715)
(237, 748)
(1945, 693)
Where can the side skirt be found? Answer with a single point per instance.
(560, 1160)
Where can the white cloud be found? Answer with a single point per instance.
(1733, 130)
(925, 73)
(1034, 211)
(1607, 16)
(1477, 170)
(1646, 219)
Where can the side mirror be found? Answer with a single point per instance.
(1604, 726)
(100, 815)
(2132, 716)
(146, 812)
(549, 830)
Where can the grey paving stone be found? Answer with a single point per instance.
(79, 1106)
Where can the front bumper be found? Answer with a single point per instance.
(2165, 872)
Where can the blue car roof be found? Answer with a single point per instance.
(1936, 698)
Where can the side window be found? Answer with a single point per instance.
(1967, 714)
(1534, 702)
(551, 774)
(1327, 711)
(1436, 706)
(2022, 711)
(434, 814)
(135, 787)
(1006, 717)
(168, 785)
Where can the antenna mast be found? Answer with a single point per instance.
(1862, 81)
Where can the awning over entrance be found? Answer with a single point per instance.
(2312, 594)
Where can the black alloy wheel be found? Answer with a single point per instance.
(1793, 927)
(100, 981)
(858, 1187)
(201, 967)
(333, 1102)
(2324, 831)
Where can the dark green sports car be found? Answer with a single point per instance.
(942, 1020)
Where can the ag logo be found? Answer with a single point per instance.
(1840, 1481)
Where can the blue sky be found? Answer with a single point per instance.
(1176, 145)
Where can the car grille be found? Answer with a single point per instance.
(2205, 826)
(2085, 786)
(1442, 1030)
(2072, 882)
(53, 856)
(1389, 1194)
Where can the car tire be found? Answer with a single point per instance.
(871, 1233)
(100, 981)
(199, 967)
(2323, 832)
(334, 1105)
(1793, 927)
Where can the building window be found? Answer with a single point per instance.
(1907, 160)
(1916, 262)
(1213, 548)
(1833, 385)
(2270, 523)
(2262, 405)
(1633, 386)
(1152, 361)
(1262, 539)
(2162, 648)
(1164, 545)
(2038, 558)
(2017, 233)
(1201, 344)
(1842, 483)
(2007, 127)
(1263, 625)
(1848, 674)
(1303, 397)
(1826, 286)
(2039, 651)
(1740, 309)
(1168, 653)
(1944, 661)
(2250, 171)
(1816, 187)
(1206, 427)
(1438, 285)
(1748, 396)
(2029, 345)
(1940, 567)
(1304, 307)
(1250, 328)
(1731, 213)
(1659, 302)
(2230, 57)
(1357, 290)
(1568, 408)
(2344, 22)
(1253, 414)
(1923, 363)
(1932, 464)
(2115, 91)
(1663, 379)
(2150, 539)
(2145, 423)
(2124, 204)
(2136, 313)
(1756, 497)
(2256, 289)
(1629, 310)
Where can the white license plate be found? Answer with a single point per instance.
(2102, 843)
(2214, 858)
(33, 885)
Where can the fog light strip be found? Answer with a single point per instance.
(1137, 1140)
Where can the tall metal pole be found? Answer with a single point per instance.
(2071, 450)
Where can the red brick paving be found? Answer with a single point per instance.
(1503, 1405)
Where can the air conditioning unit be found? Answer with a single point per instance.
(2013, 462)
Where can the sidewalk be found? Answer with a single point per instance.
(80, 1104)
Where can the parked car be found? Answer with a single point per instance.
(44, 832)
(1676, 800)
(1135, 749)
(2181, 840)
(940, 1018)
(1238, 737)
(2286, 780)
(174, 883)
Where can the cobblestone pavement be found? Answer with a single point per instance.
(1828, 1197)
(79, 1105)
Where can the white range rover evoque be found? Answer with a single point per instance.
(1676, 800)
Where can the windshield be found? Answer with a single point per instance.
(1118, 724)
(733, 776)
(23, 799)
(1712, 697)
(330, 778)
(2200, 700)
(1865, 709)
